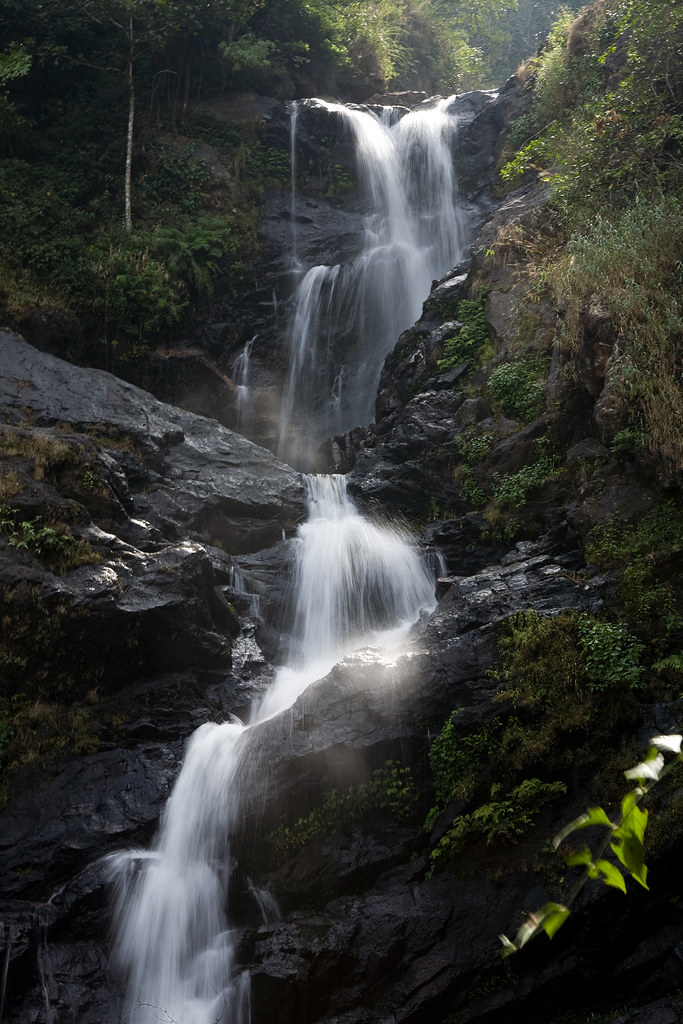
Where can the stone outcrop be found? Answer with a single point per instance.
(123, 656)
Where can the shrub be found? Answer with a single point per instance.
(511, 490)
(473, 450)
(456, 761)
(519, 387)
(504, 819)
(467, 345)
(644, 550)
(631, 261)
(611, 653)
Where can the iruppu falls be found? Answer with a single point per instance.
(293, 610)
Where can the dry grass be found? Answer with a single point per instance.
(631, 267)
(45, 451)
(10, 484)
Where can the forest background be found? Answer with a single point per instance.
(105, 213)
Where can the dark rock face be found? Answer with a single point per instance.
(198, 477)
(366, 936)
(144, 638)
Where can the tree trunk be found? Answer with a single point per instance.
(129, 145)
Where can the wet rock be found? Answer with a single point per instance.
(216, 485)
(353, 898)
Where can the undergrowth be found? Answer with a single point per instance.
(390, 789)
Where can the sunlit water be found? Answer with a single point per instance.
(412, 234)
(358, 582)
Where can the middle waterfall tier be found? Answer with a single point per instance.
(348, 317)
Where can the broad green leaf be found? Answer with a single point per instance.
(634, 823)
(582, 857)
(552, 917)
(629, 844)
(628, 803)
(611, 875)
(593, 816)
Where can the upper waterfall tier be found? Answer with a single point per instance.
(348, 316)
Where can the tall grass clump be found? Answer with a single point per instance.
(632, 263)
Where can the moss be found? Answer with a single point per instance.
(40, 731)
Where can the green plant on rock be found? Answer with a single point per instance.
(657, 535)
(48, 453)
(504, 818)
(628, 441)
(473, 450)
(646, 550)
(611, 653)
(179, 181)
(10, 484)
(134, 292)
(469, 343)
(38, 731)
(56, 547)
(553, 710)
(470, 491)
(519, 388)
(390, 788)
(511, 490)
(456, 760)
(197, 255)
(630, 260)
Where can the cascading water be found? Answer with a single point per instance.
(358, 583)
(412, 234)
(240, 373)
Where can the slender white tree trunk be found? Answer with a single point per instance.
(129, 145)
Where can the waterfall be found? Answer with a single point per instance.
(348, 317)
(240, 373)
(359, 583)
(293, 171)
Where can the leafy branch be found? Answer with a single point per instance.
(624, 837)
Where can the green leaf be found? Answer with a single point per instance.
(635, 823)
(628, 803)
(629, 844)
(593, 816)
(552, 917)
(582, 857)
(611, 875)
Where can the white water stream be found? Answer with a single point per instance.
(358, 583)
(412, 234)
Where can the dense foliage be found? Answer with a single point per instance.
(90, 219)
(606, 130)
